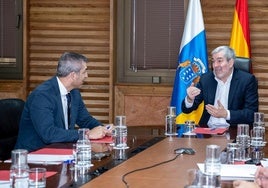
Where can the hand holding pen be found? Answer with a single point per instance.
(108, 129)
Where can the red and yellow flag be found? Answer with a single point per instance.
(240, 38)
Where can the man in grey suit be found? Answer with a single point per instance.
(45, 118)
(230, 95)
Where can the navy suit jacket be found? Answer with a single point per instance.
(42, 120)
(242, 100)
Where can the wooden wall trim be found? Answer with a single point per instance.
(142, 104)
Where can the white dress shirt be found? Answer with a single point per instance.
(63, 93)
(222, 94)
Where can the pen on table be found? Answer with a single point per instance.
(213, 128)
(69, 161)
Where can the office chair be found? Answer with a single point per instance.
(10, 113)
(243, 63)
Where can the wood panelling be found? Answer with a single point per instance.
(142, 104)
(11, 89)
(81, 26)
(86, 26)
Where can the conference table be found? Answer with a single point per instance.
(168, 175)
(144, 151)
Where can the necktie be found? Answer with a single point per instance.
(68, 96)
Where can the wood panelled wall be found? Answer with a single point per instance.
(81, 26)
(86, 26)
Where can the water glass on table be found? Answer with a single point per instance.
(37, 177)
(120, 133)
(19, 170)
(194, 178)
(212, 169)
(235, 153)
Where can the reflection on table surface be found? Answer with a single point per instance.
(103, 159)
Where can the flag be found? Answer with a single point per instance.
(192, 61)
(240, 36)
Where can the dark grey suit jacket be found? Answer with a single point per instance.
(242, 102)
(42, 120)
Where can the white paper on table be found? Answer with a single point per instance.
(235, 172)
(32, 158)
(4, 184)
(47, 158)
(264, 162)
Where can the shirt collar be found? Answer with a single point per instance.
(63, 90)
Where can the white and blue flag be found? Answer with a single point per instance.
(192, 61)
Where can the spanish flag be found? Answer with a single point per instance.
(240, 37)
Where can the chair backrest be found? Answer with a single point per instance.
(243, 63)
(10, 113)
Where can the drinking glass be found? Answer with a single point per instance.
(171, 110)
(82, 133)
(19, 174)
(170, 122)
(259, 119)
(234, 153)
(194, 178)
(120, 133)
(37, 177)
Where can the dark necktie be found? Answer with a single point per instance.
(68, 96)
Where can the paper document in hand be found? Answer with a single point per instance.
(234, 172)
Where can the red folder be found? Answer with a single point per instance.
(200, 130)
(4, 174)
(104, 140)
(53, 151)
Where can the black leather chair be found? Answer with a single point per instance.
(10, 113)
(243, 63)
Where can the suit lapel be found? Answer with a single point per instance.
(212, 91)
(233, 87)
(58, 100)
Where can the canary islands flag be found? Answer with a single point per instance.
(192, 61)
(240, 37)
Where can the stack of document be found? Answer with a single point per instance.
(235, 172)
(50, 156)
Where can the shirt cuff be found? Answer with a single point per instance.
(228, 115)
(188, 104)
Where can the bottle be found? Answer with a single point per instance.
(120, 133)
(120, 136)
(212, 171)
(19, 170)
(171, 126)
(83, 152)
